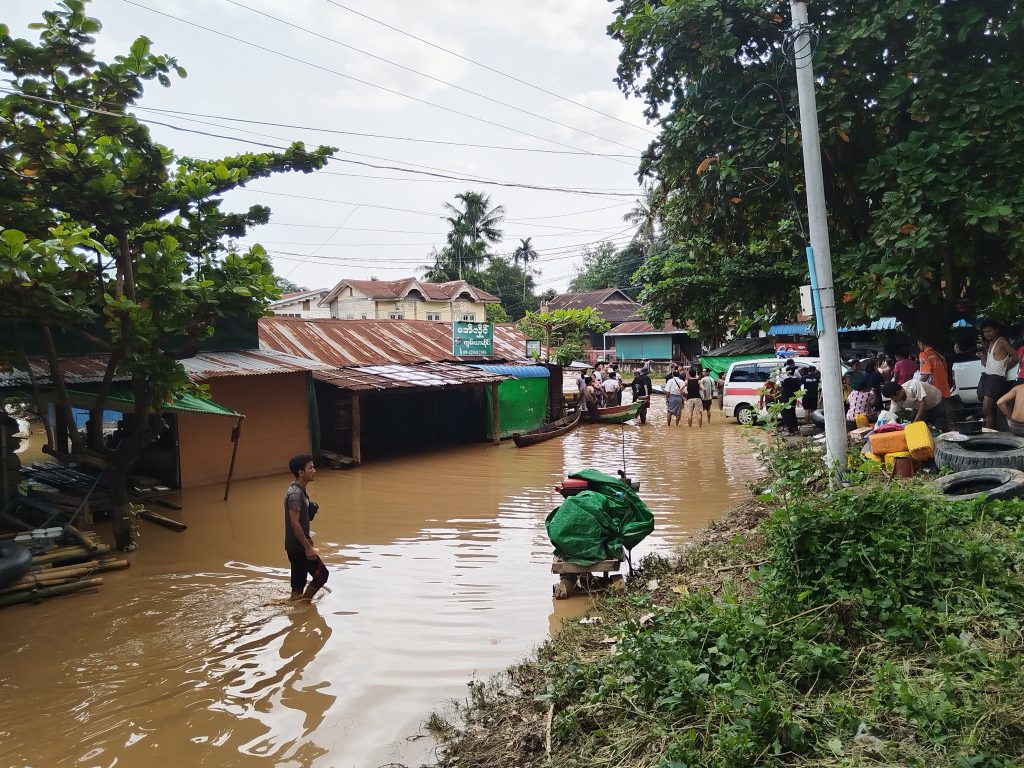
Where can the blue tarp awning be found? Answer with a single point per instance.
(881, 324)
(790, 329)
(519, 371)
(804, 329)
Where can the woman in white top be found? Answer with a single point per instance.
(996, 359)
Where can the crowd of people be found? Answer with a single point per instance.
(686, 388)
(690, 389)
(921, 384)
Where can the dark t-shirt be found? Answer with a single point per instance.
(789, 387)
(874, 379)
(295, 498)
(641, 386)
(692, 388)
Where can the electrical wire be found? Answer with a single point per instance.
(436, 175)
(417, 140)
(446, 83)
(488, 68)
(377, 86)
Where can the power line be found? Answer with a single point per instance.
(437, 175)
(428, 76)
(356, 79)
(434, 214)
(320, 129)
(488, 68)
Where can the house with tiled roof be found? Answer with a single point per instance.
(407, 299)
(615, 307)
(301, 304)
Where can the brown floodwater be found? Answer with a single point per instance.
(440, 573)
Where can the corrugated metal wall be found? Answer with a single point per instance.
(643, 347)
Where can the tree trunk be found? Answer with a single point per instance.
(120, 512)
(63, 398)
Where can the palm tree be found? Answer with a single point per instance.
(525, 252)
(474, 227)
(645, 216)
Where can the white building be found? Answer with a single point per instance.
(407, 299)
(301, 304)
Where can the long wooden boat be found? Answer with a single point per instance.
(619, 413)
(547, 431)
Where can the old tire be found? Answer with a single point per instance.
(985, 451)
(818, 417)
(807, 430)
(15, 562)
(972, 484)
(744, 414)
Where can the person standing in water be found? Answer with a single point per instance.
(298, 511)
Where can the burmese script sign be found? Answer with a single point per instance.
(472, 339)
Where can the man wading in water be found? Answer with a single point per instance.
(298, 511)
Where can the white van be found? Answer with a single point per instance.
(742, 386)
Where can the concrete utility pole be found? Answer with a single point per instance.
(828, 337)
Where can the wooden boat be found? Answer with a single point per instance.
(547, 431)
(658, 389)
(619, 413)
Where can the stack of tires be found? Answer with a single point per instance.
(990, 464)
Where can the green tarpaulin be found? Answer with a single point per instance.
(719, 366)
(596, 524)
(121, 399)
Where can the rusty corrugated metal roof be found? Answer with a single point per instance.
(347, 343)
(373, 378)
(89, 369)
(640, 327)
(212, 365)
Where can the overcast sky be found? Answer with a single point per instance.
(558, 45)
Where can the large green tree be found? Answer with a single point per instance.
(108, 235)
(514, 285)
(922, 114)
(605, 266)
(474, 226)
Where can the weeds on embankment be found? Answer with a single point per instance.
(874, 625)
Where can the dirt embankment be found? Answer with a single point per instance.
(507, 721)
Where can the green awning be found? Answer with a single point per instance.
(121, 399)
(719, 366)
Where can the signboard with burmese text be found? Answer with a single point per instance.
(472, 339)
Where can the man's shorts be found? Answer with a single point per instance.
(992, 386)
(693, 406)
(1017, 427)
(707, 405)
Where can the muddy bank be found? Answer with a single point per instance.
(507, 720)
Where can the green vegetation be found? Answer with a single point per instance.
(108, 238)
(605, 266)
(563, 328)
(920, 132)
(875, 625)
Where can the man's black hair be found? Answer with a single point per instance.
(890, 388)
(298, 463)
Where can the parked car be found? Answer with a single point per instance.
(743, 382)
(966, 376)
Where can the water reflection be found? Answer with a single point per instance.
(440, 571)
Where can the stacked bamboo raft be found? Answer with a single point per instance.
(63, 570)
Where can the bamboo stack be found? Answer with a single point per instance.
(63, 571)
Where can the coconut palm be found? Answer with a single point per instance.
(474, 227)
(525, 252)
(644, 216)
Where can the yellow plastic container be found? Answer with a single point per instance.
(862, 420)
(919, 441)
(884, 443)
(890, 458)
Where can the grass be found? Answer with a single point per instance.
(874, 625)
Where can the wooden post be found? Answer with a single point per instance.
(357, 432)
(236, 433)
(495, 415)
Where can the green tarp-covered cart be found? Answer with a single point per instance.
(598, 524)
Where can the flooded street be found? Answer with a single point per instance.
(440, 571)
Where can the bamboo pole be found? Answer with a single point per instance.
(37, 595)
(166, 522)
(70, 555)
(236, 435)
